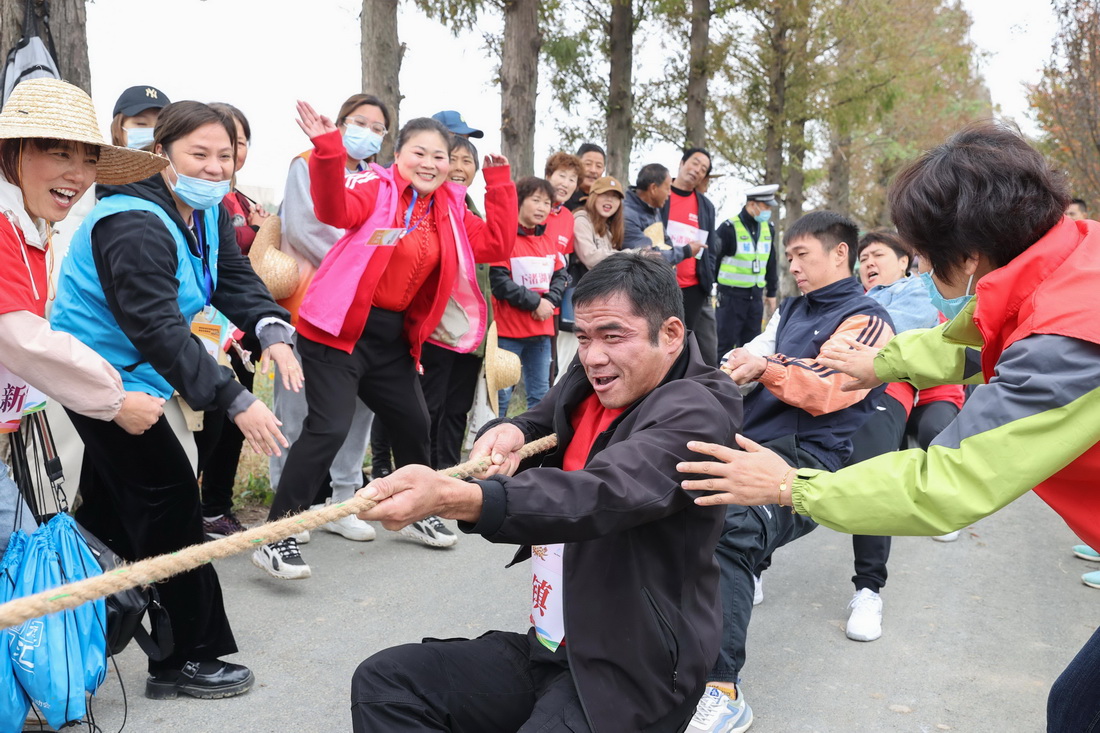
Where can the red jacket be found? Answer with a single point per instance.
(347, 203)
(1050, 289)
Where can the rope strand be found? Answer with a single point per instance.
(154, 569)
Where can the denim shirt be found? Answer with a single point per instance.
(907, 302)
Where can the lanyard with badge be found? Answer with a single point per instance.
(389, 237)
(209, 324)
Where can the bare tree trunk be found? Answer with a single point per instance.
(795, 196)
(838, 194)
(381, 53)
(777, 100)
(699, 73)
(68, 25)
(620, 97)
(519, 77)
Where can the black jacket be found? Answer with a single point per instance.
(643, 618)
(135, 257)
(727, 245)
(708, 266)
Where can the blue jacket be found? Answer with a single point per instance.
(639, 216)
(908, 303)
(806, 323)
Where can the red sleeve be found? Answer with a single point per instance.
(17, 293)
(341, 203)
(246, 235)
(493, 239)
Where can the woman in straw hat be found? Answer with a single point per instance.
(403, 274)
(144, 273)
(50, 154)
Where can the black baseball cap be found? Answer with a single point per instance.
(139, 99)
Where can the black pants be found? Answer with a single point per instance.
(219, 444)
(882, 433)
(740, 315)
(750, 535)
(141, 498)
(380, 371)
(501, 681)
(693, 304)
(929, 420)
(706, 333)
(449, 383)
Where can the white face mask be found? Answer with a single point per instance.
(361, 143)
(139, 137)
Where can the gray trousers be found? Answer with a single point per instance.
(346, 471)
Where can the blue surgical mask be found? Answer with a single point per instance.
(764, 216)
(198, 193)
(361, 143)
(950, 307)
(138, 137)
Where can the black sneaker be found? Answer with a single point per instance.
(205, 680)
(282, 559)
(223, 526)
(431, 531)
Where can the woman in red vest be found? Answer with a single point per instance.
(404, 273)
(1018, 281)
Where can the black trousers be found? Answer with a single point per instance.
(219, 444)
(141, 498)
(500, 682)
(449, 383)
(740, 315)
(929, 420)
(882, 433)
(381, 372)
(693, 304)
(750, 535)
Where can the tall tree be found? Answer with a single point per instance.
(519, 75)
(698, 76)
(68, 22)
(381, 52)
(1067, 99)
(620, 97)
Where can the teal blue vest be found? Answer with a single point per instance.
(81, 307)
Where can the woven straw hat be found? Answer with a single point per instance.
(276, 268)
(502, 367)
(51, 108)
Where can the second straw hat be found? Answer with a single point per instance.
(502, 367)
(54, 109)
(276, 268)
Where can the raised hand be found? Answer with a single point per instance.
(313, 124)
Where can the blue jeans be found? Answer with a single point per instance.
(534, 357)
(1074, 702)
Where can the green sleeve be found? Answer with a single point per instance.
(1038, 414)
(927, 357)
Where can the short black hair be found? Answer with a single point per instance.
(828, 227)
(647, 282)
(591, 148)
(688, 152)
(983, 192)
(649, 175)
(1079, 202)
(889, 239)
(529, 186)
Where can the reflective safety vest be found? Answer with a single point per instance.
(745, 268)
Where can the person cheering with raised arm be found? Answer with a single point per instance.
(404, 273)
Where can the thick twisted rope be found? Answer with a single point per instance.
(158, 568)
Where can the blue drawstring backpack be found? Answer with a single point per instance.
(55, 655)
(14, 703)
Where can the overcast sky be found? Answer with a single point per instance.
(262, 55)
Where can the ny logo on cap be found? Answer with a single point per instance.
(150, 92)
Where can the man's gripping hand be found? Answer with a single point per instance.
(412, 493)
(500, 446)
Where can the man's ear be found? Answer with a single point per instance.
(673, 332)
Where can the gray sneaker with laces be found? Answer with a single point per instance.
(431, 531)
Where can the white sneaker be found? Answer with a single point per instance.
(865, 621)
(431, 531)
(757, 590)
(351, 527)
(717, 713)
(949, 537)
(302, 538)
(282, 560)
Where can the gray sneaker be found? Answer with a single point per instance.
(431, 531)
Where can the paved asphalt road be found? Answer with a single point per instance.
(975, 631)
